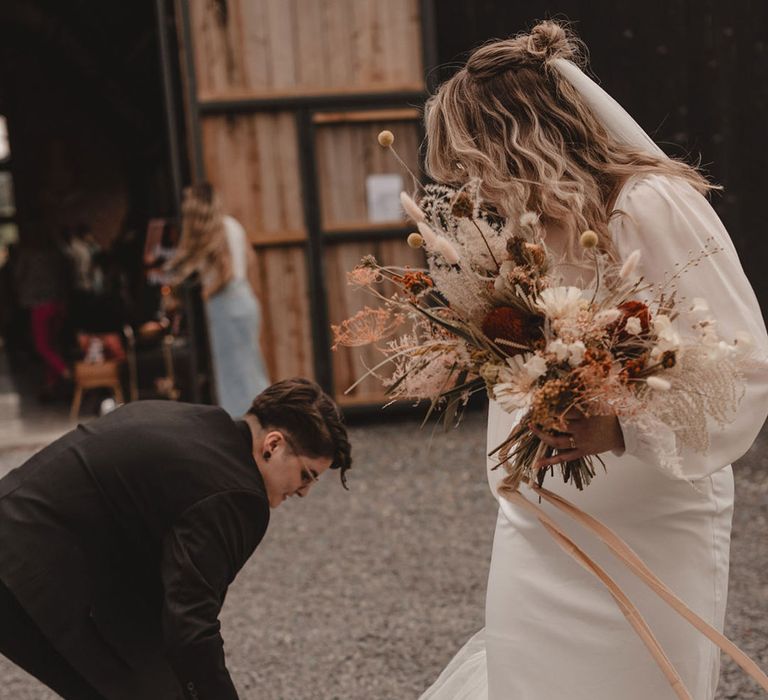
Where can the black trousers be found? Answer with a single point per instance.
(23, 643)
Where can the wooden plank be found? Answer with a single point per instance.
(257, 49)
(282, 37)
(257, 54)
(284, 239)
(368, 115)
(311, 47)
(285, 303)
(210, 96)
(365, 226)
(218, 52)
(253, 162)
(336, 30)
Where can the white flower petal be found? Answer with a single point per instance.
(411, 208)
(536, 366)
(633, 325)
(559, 302)
(658, 384)
(628, 268)
(576, 352)
(606, 317)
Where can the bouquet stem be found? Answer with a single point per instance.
(520, 452)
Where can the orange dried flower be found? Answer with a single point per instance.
(635, 309)
(365, 327)
(633, 368)
(462, 207)
(417, 282)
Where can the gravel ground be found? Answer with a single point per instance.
(368, 594)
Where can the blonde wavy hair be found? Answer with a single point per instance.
(510, 120)
(203, 246)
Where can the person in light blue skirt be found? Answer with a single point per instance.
(215, 246)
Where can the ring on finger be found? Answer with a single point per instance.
(572, 442)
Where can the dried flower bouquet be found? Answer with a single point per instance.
(492, 312)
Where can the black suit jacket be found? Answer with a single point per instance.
(121, 538)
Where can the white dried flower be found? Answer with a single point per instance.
(511, 397)
(446, 249)
(633, 325)
(658, 384)
(661, 323)
(429, 236)
(576, 352)
(628, 268)
(607, 317)
(558, 348)
(536, 366)
(559, 302)
(411, 208)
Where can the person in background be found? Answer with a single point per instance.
(215, 246)
(42, 278)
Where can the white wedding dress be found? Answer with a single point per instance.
(552, 630)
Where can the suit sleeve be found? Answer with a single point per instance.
(201, 556)
(666, 219)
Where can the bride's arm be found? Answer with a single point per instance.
(666, 219)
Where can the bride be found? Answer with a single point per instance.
(541, 136)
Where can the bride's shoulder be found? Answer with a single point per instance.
(647, 189)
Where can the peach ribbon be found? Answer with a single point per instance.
(636, 565)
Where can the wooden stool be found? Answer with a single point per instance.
(95, 375)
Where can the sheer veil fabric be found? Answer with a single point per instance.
(552, 631)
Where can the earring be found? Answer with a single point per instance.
(266, 455)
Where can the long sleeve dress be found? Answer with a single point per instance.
(552, 630)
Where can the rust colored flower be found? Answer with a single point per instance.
(463, 207)
(636, 309)
(511, 324)
(417, 282)
(633, 368)
(599, 359)
(515, 250)
(536, 253)
(630, 309)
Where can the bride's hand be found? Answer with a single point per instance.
(583, 436)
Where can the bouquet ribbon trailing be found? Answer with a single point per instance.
(635, 564)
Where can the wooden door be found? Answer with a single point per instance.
(284, 99)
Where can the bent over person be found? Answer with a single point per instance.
(119, 540)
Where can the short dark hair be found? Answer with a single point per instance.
(310, 418)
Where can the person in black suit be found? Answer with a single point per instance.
(119, 540)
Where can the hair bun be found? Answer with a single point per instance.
(545, 41)
(550, 40)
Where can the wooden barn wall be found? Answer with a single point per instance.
(694, 73)
(265, 49)
(247, 47)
